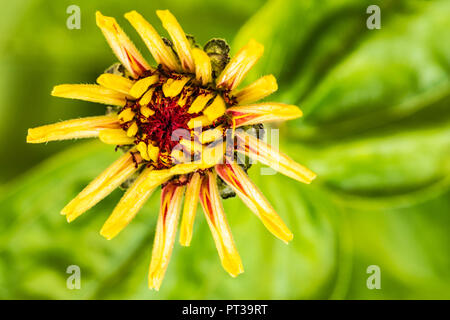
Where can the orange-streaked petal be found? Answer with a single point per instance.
(102, 186)
(90, 92)
(171, 196)
(262, 152)
(215, 216)
(237, 179)
(115, 82)
(122, 46)
(115, 137)
(189, 209)
(241, 63)
(133, 200)
(160, 51)
(203, 70)
(72, 129)
(258, 90)
(263, 113)
(181, 43)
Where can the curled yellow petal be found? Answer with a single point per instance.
(166, 228)
(133, 200)
(147, 97)
(212, 155)
(143, 150)
(203, 70)
(258, 90)
(215, 216)
(216, 109)
(115, 82)
(160, 51)
(189, 209)
(102, 186)
(262, 152)
(132, 130)
(126, 115)
(173, 87)
(72, 129)
(211, 135)
(200, 121)
(142, 85)
(191, 147)
(241, 63)
(181, 43)
(122, 46)
(90, 92)
(263, 113)
(200, 102)
(147, 112)
(153, 152)
(115, 137)
(238, 180)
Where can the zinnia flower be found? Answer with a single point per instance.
(179, 125)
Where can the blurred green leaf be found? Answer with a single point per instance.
(382, 165)
(395, 72)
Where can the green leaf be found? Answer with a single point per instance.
(383, 165)
(392, 74)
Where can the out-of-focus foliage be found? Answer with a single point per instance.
(376, 130)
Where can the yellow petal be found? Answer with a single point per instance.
(115, 136)
(189, 209)
(211, 135)
(241, 63)
(184, 98)
(142, 148)
(215, 216)
(203, 70)
(153, 152)
(191, 145)
(90, 92)
(126, 115)
(72, 129)
(173, 87)
(184, 168)
(147, 97)
(262, 152)
(238, 180)
(133, 200)
(115, 82)
(216, 109)
(147, 112)
(212, 155)
(200, 102)
(258, 90)
(181, 43)
(141, 86)
(166, 228)
(162, 53)
(263, 113)
(200, 121)
(132, 130)
(177, 156)
(102, 186)
(121, 45)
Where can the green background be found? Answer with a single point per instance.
(376, 130)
